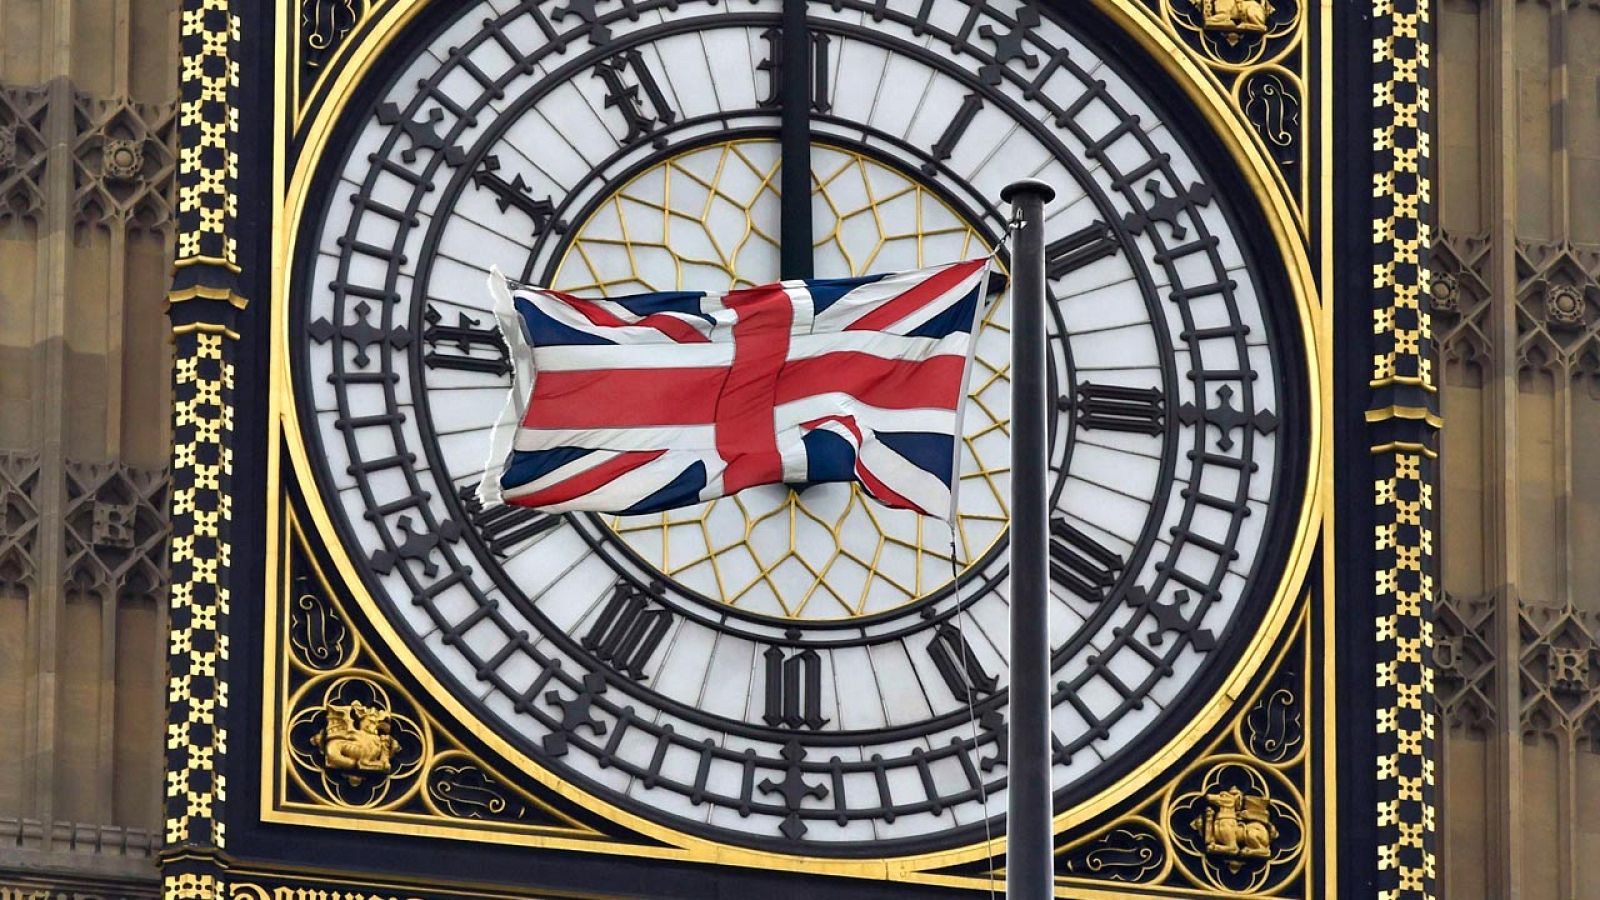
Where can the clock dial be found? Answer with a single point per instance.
(705, 219)
(797, 669)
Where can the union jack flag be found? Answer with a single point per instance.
(651, 402)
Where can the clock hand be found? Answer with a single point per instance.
(794, 103)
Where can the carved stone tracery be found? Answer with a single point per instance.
(117, 529)
(124, 163)
(1461, 304)
(1560, 685)
(23, 151)
(19, 520)
(1464, 663)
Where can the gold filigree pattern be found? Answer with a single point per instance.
(1405, 717)
(1179, 835)
(705, 220)
(208, 125)
(1256, 52)
(205, 344)
(197, 649)
(352, 740)
(1236, 35)
(1404, 422)
(1133, 851)
(194, 886)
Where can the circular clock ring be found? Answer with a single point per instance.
(837, 165)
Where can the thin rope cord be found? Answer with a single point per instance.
(972, 709)
(961, 620)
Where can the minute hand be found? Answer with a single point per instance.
(794, 103)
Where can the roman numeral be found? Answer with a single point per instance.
(1112, 407)
(505, 526)
(625, 97)
(1080, 248)
(1079, 564)
(959, 123)
(773, 66)
(819, 73)
(628, 631)
(957, 665)
(515, 193)
(464, 337)
(794, 689)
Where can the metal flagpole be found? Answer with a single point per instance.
(1030, 872)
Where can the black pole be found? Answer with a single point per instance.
(794, 182)
(1030, 871)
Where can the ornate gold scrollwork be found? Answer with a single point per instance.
(1273, 730)
(355, 741)
(1131, 851)
(1255, 49)
(318, 636)
(1235, 36)
(1233, 820)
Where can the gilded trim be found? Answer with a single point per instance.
(1256, 53)
(1404, 468)
(208, 292)
(1413, 413)
(193, 886)
(197, 649)
(205, 344)
(208, 124)
(425, 779)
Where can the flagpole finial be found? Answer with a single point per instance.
(1024, 186)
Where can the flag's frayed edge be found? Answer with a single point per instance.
(521, 357)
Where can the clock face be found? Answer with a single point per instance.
(798, 670)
